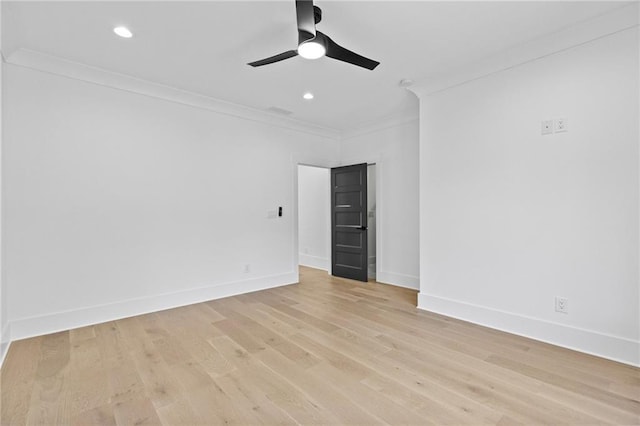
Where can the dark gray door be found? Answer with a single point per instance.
(349, 222)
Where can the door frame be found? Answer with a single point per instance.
(304, 160)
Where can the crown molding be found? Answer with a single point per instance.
(621, 19)
(393, 120)
(55, 65)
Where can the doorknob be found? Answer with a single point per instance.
(362, 228)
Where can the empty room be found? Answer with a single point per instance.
(319, 212)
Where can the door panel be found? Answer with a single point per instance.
(349, 222)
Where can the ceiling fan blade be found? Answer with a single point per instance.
(276, 58)
(338, 52)
(306, 20)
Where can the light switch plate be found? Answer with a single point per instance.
(547, 127)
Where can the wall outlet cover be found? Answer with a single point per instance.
(562, 305)
(560, 125)
(546, 127)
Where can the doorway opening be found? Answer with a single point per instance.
(314, 218)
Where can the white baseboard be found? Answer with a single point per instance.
(314, 261)
(371, 269)
(61, 321)
(399, 280)
(5, 341)
(599, 344)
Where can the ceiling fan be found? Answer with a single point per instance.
(313, 44)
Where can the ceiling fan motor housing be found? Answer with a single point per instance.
(317, 14)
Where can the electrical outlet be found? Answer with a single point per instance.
(562, 305)
(560, 125)
(547, 127)
(247, 268)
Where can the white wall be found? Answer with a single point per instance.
(118, 203)
(510, 219)
(4, 324)
(394, 149)
(314, 218)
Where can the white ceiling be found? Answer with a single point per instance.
(203, 47)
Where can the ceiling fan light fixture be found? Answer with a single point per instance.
(311, 50)
(123, 32)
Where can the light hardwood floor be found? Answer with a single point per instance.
(326, 351)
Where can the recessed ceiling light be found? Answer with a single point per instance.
(123, 32)
(308, 96)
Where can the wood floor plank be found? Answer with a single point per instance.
(209, 358)
(265, 334)
(80, 334)
(429, 400)
(213, 403)
(304, 317)
(347, 365)
(113, 349)
(171, 350)
(370, 400)
(398, 380)
(238, 386)
(574, 401)
(17, 382)
(263, 314)
(325, 351)
(490, 392)
(49, 401)
(160, 384)
(191, 376)
(86, 389)
(138, 412)
(125, 384)
(99, 416)
(329, 395)
(239, 335)
(301, 407)
(85, 354)
(195, 323)
(598, 395)
(180, 412)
